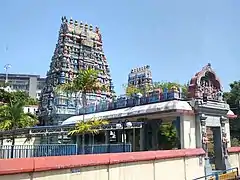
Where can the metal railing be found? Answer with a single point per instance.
(26, 151)
(126, 102)
(55, 130)
(105, 148)
(229, 174)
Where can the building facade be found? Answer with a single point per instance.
(32, 84)
(79, 46)
(140, 77)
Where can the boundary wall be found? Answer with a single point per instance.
(183, 164)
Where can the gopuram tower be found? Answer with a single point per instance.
(79, 46)
(140, 77)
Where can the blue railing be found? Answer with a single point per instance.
(130, 102)
(217, 174)
(25, 151)
(105, 148)
(120, 102)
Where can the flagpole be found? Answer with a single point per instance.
(6, 67)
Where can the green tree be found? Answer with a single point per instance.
(233, 99)
(85, 82)
(4, 84)
(169, 85)
(131, 90)
(92, 127)
(12, 117)
(168, 136)
(16, 96)
(5, 96)
(24, 97)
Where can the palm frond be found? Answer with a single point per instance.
(67, 87)
(90, 127)
(81, 128)
(5, 124)
(12, 116)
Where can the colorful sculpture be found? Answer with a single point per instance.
(205, 82)
(78, 47)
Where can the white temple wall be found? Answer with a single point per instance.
(227, 130)
(187, 128)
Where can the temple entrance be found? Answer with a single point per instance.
(212, 130)
(214, 148)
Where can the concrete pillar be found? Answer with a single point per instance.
(227, 130)
(198, 132)
(107, 137)
(78, 142)
(107, 141)
(134, 140)
(142, 139)
(187, 131)
(182, 132)
(154, 127)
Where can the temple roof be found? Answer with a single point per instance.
(206, 69)
(205, 82)
(133, 111)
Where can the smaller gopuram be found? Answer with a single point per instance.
(211, 118)
(140, 77)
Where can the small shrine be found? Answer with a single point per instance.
(205, 84)
(212, 118)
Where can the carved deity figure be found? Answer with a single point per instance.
(205, 82)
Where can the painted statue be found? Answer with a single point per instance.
(205, 82)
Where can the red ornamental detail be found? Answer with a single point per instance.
(205, 82)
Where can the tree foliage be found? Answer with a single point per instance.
(17, 96)
(13, 117)
(168, 136)
(12, 114)
(85, 82)
(233, 99)
(132, 90)
(89, 127)
(170, 85)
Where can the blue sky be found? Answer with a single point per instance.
(176, 38)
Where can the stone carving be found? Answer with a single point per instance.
(206, 83)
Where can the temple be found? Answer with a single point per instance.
(206, 84)
(140, 77)
(202, 113)
(201, 117)
(79, 46)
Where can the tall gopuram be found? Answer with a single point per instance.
(140, 77)
(79, 46)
